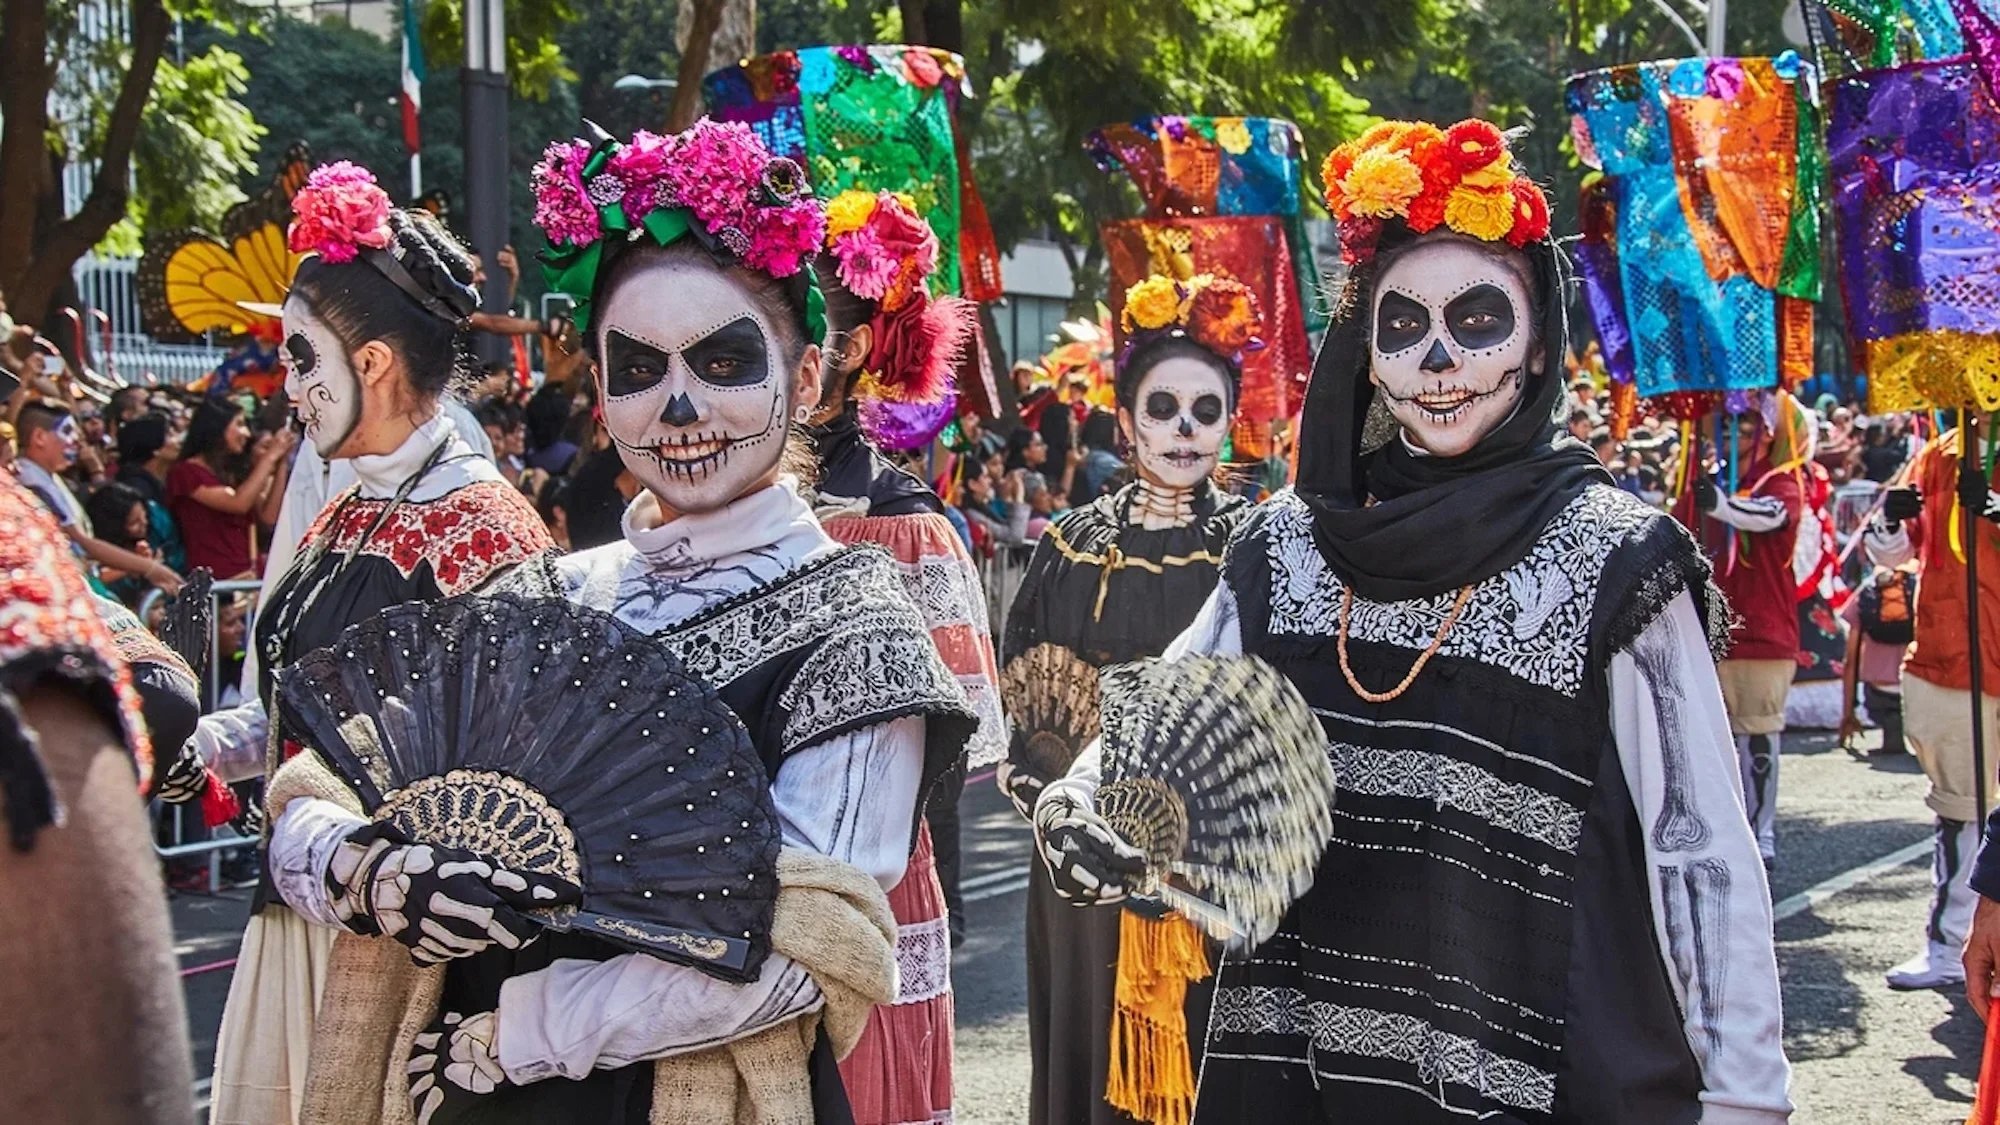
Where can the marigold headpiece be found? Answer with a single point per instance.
(1462, 178)
(714, 182)
(886, 253)
(1218, 313)
(341, 215)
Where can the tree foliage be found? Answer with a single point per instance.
(535, 62)
(197, 141)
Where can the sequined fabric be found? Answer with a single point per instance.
(878, 118)
(1915, 159)
(1699, 240)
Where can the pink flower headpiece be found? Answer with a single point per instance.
(339, 212)
(715, 182)
(884, 252)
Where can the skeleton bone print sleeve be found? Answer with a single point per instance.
(1711, 907)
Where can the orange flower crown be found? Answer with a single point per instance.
(1217, 313)
(1462, 178)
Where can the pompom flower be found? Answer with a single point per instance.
(864, 265)
(1223, 317)
(848, 211)
(783, 238)
(923, 67)
(1474, 144)
(719, 165)
(562, 207)
(1482, 213)
(910, 240)
(338, 212)
(1531, 213)
(1153, 304)
(1381, 183)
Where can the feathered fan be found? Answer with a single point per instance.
(189, 625)
(1217, 770)
(1051, 697)
(549, 737)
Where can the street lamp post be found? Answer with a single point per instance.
(485, 92)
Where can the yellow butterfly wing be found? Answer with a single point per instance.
(205, 281)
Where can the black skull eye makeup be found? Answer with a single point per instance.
(1161, 406)
(631, 366)
(1400, 323)
(300, 350)
(1207, 409)
(733, 355)
(1481, 317)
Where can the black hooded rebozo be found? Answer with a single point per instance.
(1436, 523)
(1478, 942)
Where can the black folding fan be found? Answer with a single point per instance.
(1216, 769)
(188, 626)
(548, 737)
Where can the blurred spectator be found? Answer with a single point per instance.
(48, 446)
(1882, 458)
(1583, 392)
(599, 490)
(118, 514)
(8, 446)
(547, 417)
(217, 508)
(1880, 626)
(1100, 464)
(1026, 449)
(1606, 448)
(126, 404)
(506, 428)
(552, 504)
(147, 451)
(1581, 423)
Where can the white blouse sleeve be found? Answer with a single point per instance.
(853, 798)
(232, 741)
(1711, 906)
(303, 840)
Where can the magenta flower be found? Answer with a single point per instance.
(562, 207)
(339, 211)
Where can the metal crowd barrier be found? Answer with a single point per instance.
(211, 849)
(1001, 576)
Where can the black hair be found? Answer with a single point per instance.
(498, 413)
(118, 397)
(39, 416)
(361, 304)
(1579, 415)
(1019, 441)
(107, 509)
(546, 415)
(782, 300)
(205, 430)
(1158, 350)
(554, 495)
(845, 312)
(1100, 431)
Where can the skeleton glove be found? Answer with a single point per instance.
(453, 1061)
(1087, 862)
(441, 902)
(186, 777)
(1021, 786)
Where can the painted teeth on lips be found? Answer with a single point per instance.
(1443, 402)
(691, 451)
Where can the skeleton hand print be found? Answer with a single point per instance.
(692, 391)
(454, 1060)
(441, 902)
(1087, 862)
(1180, 414)
(1451, 344)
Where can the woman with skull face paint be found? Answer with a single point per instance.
(374, 336)
(1112, 581)
(1541, 901)
(704, 324)
(890, 342)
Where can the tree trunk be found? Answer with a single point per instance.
(712, 33)
(916, 28)
(25, 77)
(46, 269)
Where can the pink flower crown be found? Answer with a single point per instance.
(340, 212)
(884, 252)
(715, 181)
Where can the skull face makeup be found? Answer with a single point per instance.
(692, 388)
(1450, 347)
(319, 378)
(1179, 416)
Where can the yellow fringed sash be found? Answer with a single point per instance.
(1152, 1078)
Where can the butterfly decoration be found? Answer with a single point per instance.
(191, 283)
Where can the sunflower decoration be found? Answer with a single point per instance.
(1462, 178)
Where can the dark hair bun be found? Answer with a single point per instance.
(438, 262)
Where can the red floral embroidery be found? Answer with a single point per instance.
(45, 606)
(466, 536)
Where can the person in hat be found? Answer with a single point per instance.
(1541, 901)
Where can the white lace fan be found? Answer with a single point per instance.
(1217, 770)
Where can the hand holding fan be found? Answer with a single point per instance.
(1215, 768)
(1051, 698)
(550, 738)
(189, 625)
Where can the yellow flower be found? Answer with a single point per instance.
(908, 200)
(1381, 184)
(1498, 174)
(849, 211)
(1480, 212)
(1153, 303)
(1233, 135)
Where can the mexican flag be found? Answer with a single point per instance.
(413, 80)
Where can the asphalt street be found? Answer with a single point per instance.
(1860, 1052)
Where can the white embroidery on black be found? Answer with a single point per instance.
(1451, 783)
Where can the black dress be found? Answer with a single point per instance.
(1110, 591)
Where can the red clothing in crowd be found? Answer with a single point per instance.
(214, 539)
(1942, 652)
(1757, 575)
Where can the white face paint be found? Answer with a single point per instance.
(1450, 346)
(319, 379)
(693, 395)
(1180, 415)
